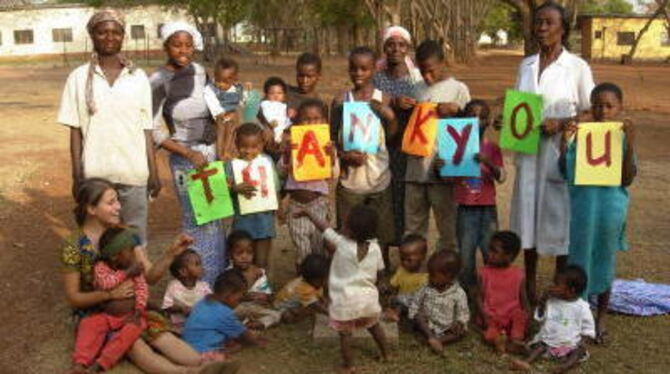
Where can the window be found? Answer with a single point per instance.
(137, 31)
(625, 38)
(598, 35)
(158, 30)
(61, 35)
(23, 36)
(665, 38)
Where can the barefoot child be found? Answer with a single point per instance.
(502, 303)
(440, 309)
(598, 214)
(566, 322)
(477, 216)
(366, 178)
(186, 289)
(424, 190)
(212, 323)
(255, 306)
(311, 195)
(303, 296)
(261, 225)
(357, 260)
(124, 320)
(410, 276)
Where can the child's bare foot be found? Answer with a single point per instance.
(501, 344)
(519, 365)
(391, 315)
(436, 345)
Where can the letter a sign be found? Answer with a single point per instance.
(522, 117)
(360, 128)
(599, 154)
(421, 131)
(308, 156)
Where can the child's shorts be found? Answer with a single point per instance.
(354, 324)
(258, 225)
(513, 326)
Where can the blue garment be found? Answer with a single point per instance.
(597, 227)
(475, 225)
(210, 325)
(640, 298)
(229, 99)
(259, 225)
(210, 240)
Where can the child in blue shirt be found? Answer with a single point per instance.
(212, 322)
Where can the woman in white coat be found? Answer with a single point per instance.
(540, 210)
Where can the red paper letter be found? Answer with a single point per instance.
(310, 145)
(461, 141)
(606, 157)
(529, 120)
(420, 121)
(263, 182)
(357, 123)
(204, 177)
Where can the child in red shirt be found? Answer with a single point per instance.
(502, 302)
(477, 217)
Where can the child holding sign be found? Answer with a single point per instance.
(477, 217)
(307, 195)
(260, 225)
(598, 213)
(424, 190)
(366, 177)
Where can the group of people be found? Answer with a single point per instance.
(220, 298)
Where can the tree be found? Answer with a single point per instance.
(662, 9)
(501, 16)
(606, 7)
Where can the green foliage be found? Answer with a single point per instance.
(502, 16)
(606, 7)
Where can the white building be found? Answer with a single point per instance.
(28, 29)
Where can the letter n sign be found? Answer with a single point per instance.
(522, 117)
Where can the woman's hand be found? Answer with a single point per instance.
(125, 290)
(180, 244)
(196, 158)
(383, 111)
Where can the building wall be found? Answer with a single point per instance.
(44, 19)
(653, 45)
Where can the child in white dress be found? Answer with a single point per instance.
(357, 260)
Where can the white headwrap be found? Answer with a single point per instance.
(171, 28)
(397, 31)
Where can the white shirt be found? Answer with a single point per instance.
(352, 284)
(374, 175)
(420, 169)
(278, 112)
(177, 294)
(540, 204)
(564, 323)
(113, 140)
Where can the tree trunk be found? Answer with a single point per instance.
(633, 48)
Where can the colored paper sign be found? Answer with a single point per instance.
(258, 172)
(360, 128)
(522, 117)
(208, 193)
(599, 154)
(309, 158)
(458, 143)
(419, 137)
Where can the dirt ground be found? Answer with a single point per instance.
(35, 213)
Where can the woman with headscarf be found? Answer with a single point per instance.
(178, 98)
(107, 105)
(540, 211)
(396, 76)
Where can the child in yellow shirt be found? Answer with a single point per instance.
(410, 275)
